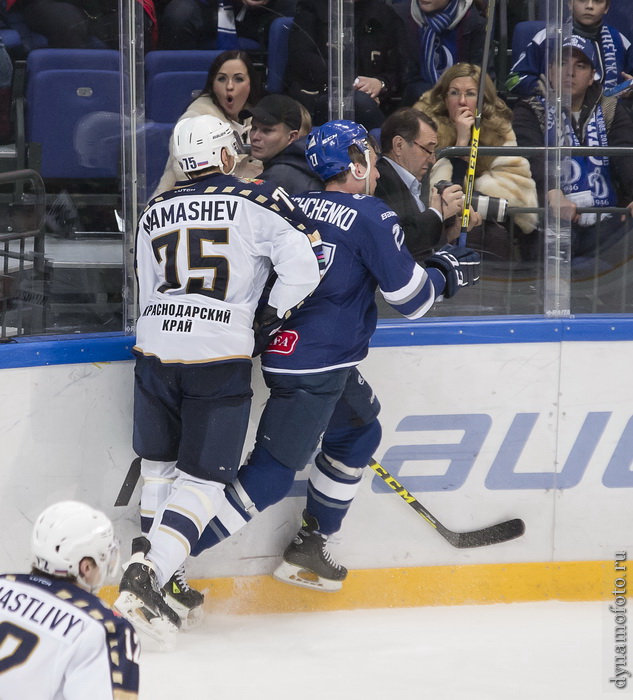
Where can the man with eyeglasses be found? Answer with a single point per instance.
(408, 140)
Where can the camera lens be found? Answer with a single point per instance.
(490, 208)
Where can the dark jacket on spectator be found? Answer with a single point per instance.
(378, 36)
(289, 169)
(422, 229)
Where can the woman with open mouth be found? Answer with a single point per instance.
(230, 87)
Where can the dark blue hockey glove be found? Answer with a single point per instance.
(459, 265)
(266, 325)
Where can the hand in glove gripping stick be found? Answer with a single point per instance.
(459, 265)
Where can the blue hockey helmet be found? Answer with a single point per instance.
(327, 147)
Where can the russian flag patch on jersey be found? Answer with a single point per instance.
(284, 343)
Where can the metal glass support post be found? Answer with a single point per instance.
(131, 45)
(557, 259)
(341, 62)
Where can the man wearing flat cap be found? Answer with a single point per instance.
(274, 137)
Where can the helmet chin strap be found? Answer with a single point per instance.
(364, 177)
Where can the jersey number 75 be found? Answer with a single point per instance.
(213, 283)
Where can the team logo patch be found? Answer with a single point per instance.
(329, 249)
(284, 343)
(251, 180)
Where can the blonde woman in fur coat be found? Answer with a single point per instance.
(451, 103)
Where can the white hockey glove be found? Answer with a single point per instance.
(459, 265)
(266, 325)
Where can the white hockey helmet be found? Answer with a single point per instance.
(68, 531)
(198, 142)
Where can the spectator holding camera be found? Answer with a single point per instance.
(592, 120)
(408, 141)
(452, 104)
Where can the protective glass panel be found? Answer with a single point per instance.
(94, 135)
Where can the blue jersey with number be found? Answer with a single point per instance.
(364, 249)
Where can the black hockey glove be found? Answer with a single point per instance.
(460, 266)
(266, 325)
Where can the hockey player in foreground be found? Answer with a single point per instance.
(310, 366)
(204, 252)
(59, 641)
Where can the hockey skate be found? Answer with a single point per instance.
(307, 563)
(142, 602)
(184, 600)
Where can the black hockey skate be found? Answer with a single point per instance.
(183, 599)
(140, 599)
(307, 563)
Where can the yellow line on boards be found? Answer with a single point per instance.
(412, 587)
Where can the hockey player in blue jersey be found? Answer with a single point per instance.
(317, 393)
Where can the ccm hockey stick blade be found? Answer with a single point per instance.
(494, 534)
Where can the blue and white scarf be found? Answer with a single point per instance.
(433, 59)
(609, 49)
(227, 36)
(607, 52)
(586, 179)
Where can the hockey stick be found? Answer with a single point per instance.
(129, 483)
(474, 139)
(494, 534)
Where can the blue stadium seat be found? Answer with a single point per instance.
(522, 35)
(169, 61)
(278, 53)
(172, 80)
(11, 39)
(244, 44)
(156, 149)
(57, 100)
(79, 59)
(28, 40)
(168, 95)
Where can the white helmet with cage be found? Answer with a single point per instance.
(68, 531)
(198, 143)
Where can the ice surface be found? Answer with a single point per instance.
(526, 651)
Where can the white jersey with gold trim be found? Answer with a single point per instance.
(204, 252)
(59, 642)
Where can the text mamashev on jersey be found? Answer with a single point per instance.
(173, 213)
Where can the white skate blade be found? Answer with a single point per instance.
(190, 618)
(161, 631)
(296, 576)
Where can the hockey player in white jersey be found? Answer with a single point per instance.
(58, 640)
(204, 252)
(318, 396)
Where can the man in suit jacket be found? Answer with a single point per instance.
(408, 140)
